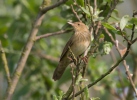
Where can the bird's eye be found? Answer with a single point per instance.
(78, 24)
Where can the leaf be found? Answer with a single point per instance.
(61, 93)
(80, 2)
(69, 2)
(107, 47)
(78, 79)
(86, 92)
(85, 11)
(124, 21)
(55, 97)
(108, 26)
(133, 21)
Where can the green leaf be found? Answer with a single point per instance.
(69, 2)
(124, 21)
(86, 92)
(133, 21)
(85, 11)
(78, 79)
(80, 2)
(55, 97)
(108, 26)
(61, 93)
(129, 26)
(107, 47)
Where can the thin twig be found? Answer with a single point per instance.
(95, 6)
(130, 91)
(53, 6)
(112, 7)
(134, 40)
(133, 28)
(124, 62)
(130, 77)
(105, 74)
(52, 34)
(4, 59)
(113, 40)
(73, 82)
(75, 13)
(125, 37)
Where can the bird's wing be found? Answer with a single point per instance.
(69, 44)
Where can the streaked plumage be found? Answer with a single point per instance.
(79, 42)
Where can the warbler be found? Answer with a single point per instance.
(78, 43)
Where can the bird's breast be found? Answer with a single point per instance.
(80, 47)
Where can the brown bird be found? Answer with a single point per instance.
(78, 43)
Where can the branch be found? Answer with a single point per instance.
(130, 91)
(3, 56)
(125, 37)
(130, 77)
(134, 40)
(53, 6)
(95, 6)
(27, 49)
(133, 28)
(113, 6)
(105, 74)
(121, 52)
(75, 13)
(108, 72)
(52, 34)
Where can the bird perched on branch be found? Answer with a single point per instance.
(78, 43)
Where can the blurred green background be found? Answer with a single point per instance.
(16, 19)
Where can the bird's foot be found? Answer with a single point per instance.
(85, 59)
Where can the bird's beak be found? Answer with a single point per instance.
(70, 23)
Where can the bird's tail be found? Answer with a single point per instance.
(59, 70)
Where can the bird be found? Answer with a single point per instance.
(78, 43)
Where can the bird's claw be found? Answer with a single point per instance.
(85, 59)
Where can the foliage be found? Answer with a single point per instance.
(36, 81)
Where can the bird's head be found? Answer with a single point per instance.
(78, 26)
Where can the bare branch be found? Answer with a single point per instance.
(95, 6)
(113, 6)
(53, 6)
(130, 77)
(4, 59)
(75, 13)
(73, 82)
(133, 28)
(130, 91)
(113, 40)
(125, 37)
(134, 40)
(52, 34)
